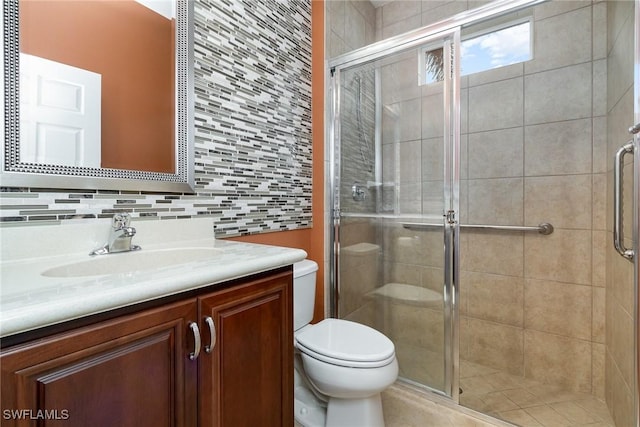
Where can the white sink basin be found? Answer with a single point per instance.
(129, 262)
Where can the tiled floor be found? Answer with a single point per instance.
(528, 403)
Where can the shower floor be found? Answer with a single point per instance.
(528, 403)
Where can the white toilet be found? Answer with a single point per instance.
(341, 366)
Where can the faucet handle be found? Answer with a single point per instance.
(121, 220)
(119, 237)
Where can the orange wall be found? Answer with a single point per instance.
(109, 37)
(311, 239)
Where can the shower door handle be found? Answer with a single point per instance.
(618, 169)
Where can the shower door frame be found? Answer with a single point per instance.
(448, 28)
(451, 93)
(636, 210)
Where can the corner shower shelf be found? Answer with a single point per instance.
(402, 293)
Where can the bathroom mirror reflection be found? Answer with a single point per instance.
(100, 96)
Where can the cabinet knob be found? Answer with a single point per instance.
(196, 341)
(212, 334)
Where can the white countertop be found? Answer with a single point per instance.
(29, 300)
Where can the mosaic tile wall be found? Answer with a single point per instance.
(252, 137)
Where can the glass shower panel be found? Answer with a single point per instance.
(392, 131)
(533, 340)
(546, 314)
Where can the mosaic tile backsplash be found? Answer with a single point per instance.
(253, 130)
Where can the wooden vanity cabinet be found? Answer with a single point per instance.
(135, 369)
(247, 378)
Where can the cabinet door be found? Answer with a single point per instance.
(129, 371)
(247, 379)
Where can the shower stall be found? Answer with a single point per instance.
(485, 214)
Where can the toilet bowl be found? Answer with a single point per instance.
(342, 365)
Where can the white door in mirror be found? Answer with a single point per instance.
(59, 113)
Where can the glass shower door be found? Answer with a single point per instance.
(547, 318)
(395, 186)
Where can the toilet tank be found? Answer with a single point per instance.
(304, 292)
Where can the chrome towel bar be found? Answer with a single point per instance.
(544, 228)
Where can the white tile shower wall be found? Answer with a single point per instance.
(252, 136)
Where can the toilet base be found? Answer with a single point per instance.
(365, 412)
(308, 410)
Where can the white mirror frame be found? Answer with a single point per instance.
(13, 173)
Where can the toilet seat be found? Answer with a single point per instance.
(345, 363)
(345, 343)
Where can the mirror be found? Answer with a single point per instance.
(106, 103)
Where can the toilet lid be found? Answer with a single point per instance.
(346, 343)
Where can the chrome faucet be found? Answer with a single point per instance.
(119, 237)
